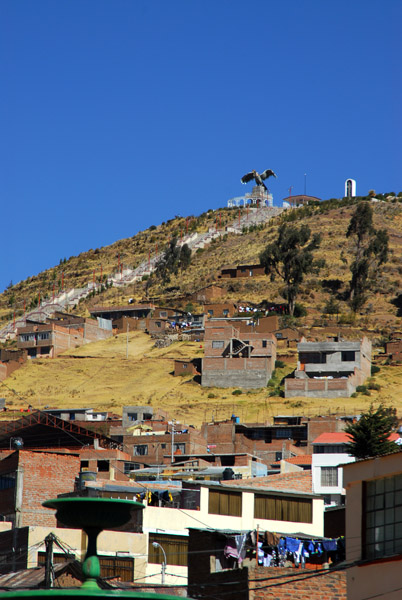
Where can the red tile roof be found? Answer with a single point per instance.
(338, 437)
(341, 437)
(282, 482)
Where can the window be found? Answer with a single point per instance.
(210, 312)
(225, 503)
(7, 481)
(163, 314)
(330, 449)
(348, 356)
(217, 344)
(312, 357)
(130, 466)
(279, 335)
(382, 509)
(103, 466)
(276, 508)
(278, 456)
(184, 365)
(132, 416)
(225, 312)
(140, 450)
(175, 547)
(284, 433)
(329, 476)
(179, 447)
(44, 336)
(58, 557)
(117, 566)
(264, 343)
(84, 464)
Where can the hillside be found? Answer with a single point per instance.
(229, 249)
(99, 374)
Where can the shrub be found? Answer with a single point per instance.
(361, 388)
(237, 392)
(279, 364)
(354, 395)
(300, 310)
(211, 395)
(375, 369)
(374, 386)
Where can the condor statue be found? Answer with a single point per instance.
(257, 177)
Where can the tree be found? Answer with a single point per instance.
(291, 257)
(184, 257)
(370, 434)
(173, 259)
(370, 252)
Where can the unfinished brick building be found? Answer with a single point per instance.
(235, 359)
(329, 369)
(11, 360)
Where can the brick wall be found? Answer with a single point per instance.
(45, 475)
(303, 586)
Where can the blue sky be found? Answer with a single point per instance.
(116, 115)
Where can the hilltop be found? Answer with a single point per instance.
(99, 375)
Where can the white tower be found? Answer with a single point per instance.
(350, 188)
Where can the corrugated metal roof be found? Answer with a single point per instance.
(34, 578)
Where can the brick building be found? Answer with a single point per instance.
(225, 309)
(10, 361)
(234, 272)
(29, 478)
(232, 360)
(207, 293)
(156, 447)
(59, 334)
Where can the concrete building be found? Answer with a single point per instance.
(374, 527)
(329, 455)
(232, 360)
(77, 414)
(329, 369)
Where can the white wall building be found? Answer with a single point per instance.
(329, 455)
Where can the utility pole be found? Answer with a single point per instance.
(172, 454)
(127, 339)
(49, 572)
